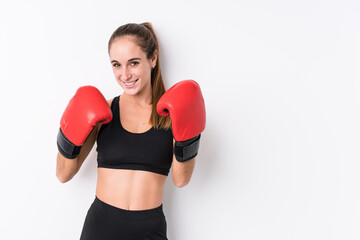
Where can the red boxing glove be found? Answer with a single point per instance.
(185, 105)
(86, 108)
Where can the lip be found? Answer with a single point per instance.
(129, 81)
(135, 81)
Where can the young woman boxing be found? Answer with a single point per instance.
(140, 134)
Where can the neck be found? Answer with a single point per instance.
(142, 99)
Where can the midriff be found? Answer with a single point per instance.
(130, 189)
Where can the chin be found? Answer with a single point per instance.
(131, 92)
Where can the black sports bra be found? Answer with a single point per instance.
(120, 149)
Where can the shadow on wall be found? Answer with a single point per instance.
(204, 172)
(88, 171)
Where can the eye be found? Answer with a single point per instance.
(134, 63)
(116, 65)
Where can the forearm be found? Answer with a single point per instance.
(182, 172)
(78, 129)
(66, 168)
(184, 104)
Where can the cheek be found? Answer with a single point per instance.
(136, 72)
(116, 72)
(143, 72)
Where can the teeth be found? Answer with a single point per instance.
(129, 84)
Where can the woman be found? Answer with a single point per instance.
(135, 144)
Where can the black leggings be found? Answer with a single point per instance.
(106, 222)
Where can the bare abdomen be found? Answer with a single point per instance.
(130, 189)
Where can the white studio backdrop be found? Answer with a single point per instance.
(279, 158)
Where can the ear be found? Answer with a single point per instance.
(154, 58)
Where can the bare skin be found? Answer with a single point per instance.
(128, 189)
(131, 189)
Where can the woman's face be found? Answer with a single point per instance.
(130, 65)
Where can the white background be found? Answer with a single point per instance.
(279, 158)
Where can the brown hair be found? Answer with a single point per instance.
(146, 38)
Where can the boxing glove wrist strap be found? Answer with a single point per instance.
(186, 150)
(67, 148)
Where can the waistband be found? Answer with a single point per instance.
(128, 214)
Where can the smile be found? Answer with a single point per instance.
(130, 84)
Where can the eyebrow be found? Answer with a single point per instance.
(131, 59)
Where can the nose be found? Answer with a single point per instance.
(125, 74)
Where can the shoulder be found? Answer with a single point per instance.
(98, 126)
(109, 101)
(112, 99)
